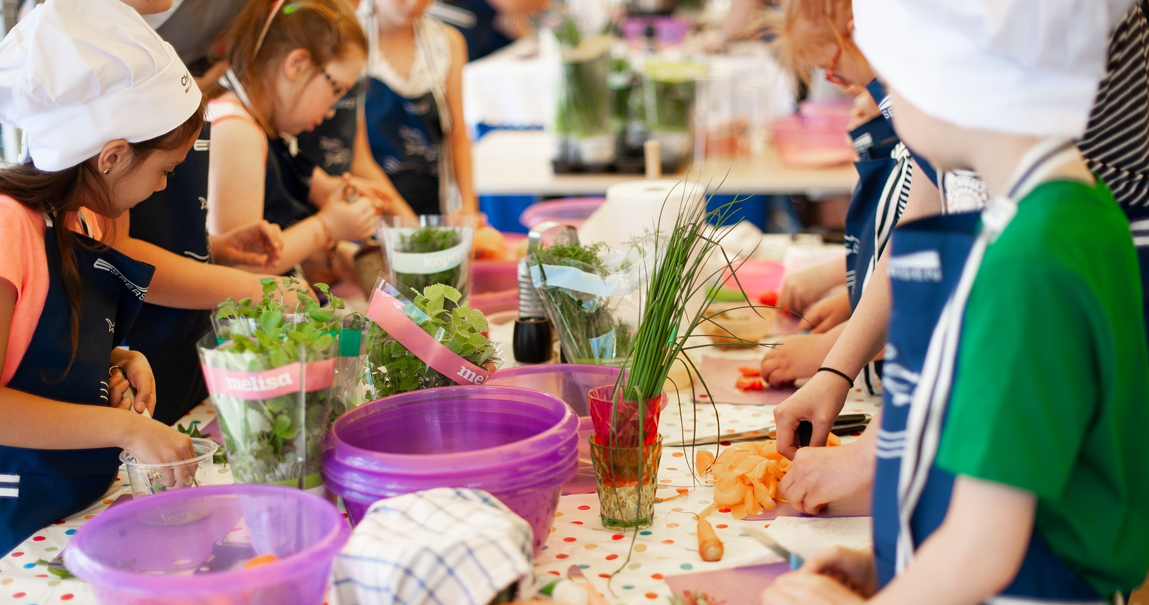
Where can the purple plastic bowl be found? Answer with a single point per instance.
(189, 546)
(572, 383)
(518, 444)
(570, 211)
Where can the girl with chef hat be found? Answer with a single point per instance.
(291, 61)
(108, 110)
(1010, 464)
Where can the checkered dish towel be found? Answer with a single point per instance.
(442, 546)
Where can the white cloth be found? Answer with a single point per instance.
(76, 74)
(1026, 67)
(432, 62)
(445, 545)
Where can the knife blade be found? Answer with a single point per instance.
(762, 538)
(844, 425)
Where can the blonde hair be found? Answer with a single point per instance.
(799, 25)
(325, 28)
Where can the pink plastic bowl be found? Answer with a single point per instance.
(494, 285)
(189, 546)
(806, 144)
(570, 211)
(757, 277)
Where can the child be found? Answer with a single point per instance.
(413, 115)
(290, 62)
(1010, 466)
(132, 113)
(819, 34)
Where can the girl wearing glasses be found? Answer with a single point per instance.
(290, 63)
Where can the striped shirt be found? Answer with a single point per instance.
(1116, 142)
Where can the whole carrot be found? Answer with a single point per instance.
(709, 546)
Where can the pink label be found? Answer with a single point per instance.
(386, 311)
(268, 384)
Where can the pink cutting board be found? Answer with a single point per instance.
(738, 586)
(722, 374)
(854, 506)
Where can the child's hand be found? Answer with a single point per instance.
(819, 401)
(852, 568)
(349, 220)
(258, 245)
(796, 357)
(131, 369)
(153, 442)
(804, 588)
(801, 289)
(820, 475)
(828, 312)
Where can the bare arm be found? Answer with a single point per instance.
(821, 399)
(181, 282)
(980, 513)
(39, 423)
(236, 172)
(460, 142)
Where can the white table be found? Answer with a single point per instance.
(519, 163)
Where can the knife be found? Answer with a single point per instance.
(844, 425)
(764, 539)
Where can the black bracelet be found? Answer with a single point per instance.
(839, 373)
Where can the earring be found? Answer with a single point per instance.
(107, 170)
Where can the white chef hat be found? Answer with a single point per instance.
(75, 74)
(1016, 66)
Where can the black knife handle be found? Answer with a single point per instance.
(805, 433)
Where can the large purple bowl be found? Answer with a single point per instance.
(518, 444)
(190, 546)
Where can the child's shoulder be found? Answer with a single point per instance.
(16, 216)
(1063, 221)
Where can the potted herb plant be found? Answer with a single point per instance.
(583, 114)
(625, 446)
(669, 91)
(428, 250)
(270, 368)
(421, 340)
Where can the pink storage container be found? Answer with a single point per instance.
(570, 211)
(756, 277)
(494, 286)
(802, 144)
(826, 114)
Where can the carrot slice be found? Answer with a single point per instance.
(750, 372)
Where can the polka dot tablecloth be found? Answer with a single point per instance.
(670, 546)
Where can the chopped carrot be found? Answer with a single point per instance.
(833, 439)
(750, 384)
(703, 460)
(750, 372)
(260, 561)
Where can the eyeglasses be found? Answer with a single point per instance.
(832, 77)
(336, 87)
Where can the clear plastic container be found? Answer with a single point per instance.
(811, 144)
(520, 445)
(148, 479)
(494, 286)
(192, 546)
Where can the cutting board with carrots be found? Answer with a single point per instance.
(723, 377)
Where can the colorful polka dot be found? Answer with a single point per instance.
(19, 595)
(38, 538)
(686, 566)
(70, 532)
(651, 595)
(611, 557)
(569, 539)
(67, 597)
(721, 526)
(639, 548)
(584, 507)
(591, 546)
(644, 532)
(29, 565)
(668, 541)
(561, 556)
(656, 576)
(6, 581)
(17, 554)
(617, 537)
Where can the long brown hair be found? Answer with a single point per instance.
(800, 24)
(61, 194)
(324, 28)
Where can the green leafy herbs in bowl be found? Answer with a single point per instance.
(429, 250)
(272, 390)
(389, 368)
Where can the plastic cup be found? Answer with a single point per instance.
(148, 479)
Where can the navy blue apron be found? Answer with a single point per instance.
(175, 219)
(477, 21)
(45, 486)
(286, 186)
(331, 145)
(406, 137)
(878, 92)
(884, 174)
